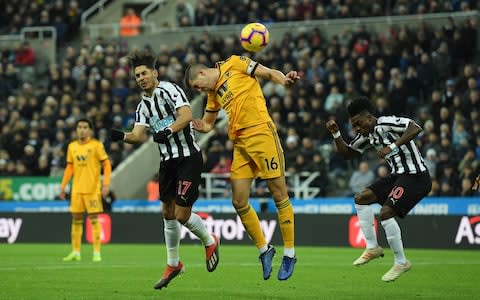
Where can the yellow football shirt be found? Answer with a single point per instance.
(239, 93)
(86, 159)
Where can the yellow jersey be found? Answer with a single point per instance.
(239, 93)
(86, 160)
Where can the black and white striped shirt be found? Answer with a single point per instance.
(161, 110)
(408, 160)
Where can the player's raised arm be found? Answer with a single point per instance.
(276, 76)
(342, 148)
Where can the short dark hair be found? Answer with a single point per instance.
(84, 120)
(359, 105)
(142, 58)
(191, 73)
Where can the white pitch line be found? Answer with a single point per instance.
(90, 265)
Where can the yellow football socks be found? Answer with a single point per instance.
(286, 222)
(95, 233)
(77, 231)
(252, 225)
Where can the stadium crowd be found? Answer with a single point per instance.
(218, 12)
(431, 75)
(64, 15)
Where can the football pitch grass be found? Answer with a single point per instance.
(36, 271)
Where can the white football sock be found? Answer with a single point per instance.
(366, 220)
(171, 230)
(263, 249)
(290, 252)
(394, 238)
(197, 227)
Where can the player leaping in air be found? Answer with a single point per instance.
(393, 139)
(232, 85)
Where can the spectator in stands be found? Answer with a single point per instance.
(184, 13)
(3, 167)
(73, 19)
(431, 162)
(466, 188)
(153, 189)
(361, 178)
(130, 23)
(25, 55)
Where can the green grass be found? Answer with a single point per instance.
(35, 271)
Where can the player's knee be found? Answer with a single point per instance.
(387, 212)
(77, 217)
(168, 210)
(182, 214)
(365, 197)
(182, 218)
(279, 193)
(239, 202)
(360, 198)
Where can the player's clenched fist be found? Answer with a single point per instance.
(332, 126)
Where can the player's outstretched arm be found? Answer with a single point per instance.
(276, 76)
(342, 148)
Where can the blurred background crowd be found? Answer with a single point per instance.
(430, 75)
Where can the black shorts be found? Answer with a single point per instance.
(180, 178)
(402, 192)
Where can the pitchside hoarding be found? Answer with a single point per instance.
(453, 232)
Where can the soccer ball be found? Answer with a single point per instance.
(254, 37)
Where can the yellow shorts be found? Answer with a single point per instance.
(92, 203)
(257, 152)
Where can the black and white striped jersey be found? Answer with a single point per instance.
(160, 111)
(408, 159)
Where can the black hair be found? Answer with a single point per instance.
(142, 58)
(85, 120)
(359, 105)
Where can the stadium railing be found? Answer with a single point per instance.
(99, 6)
(155, 34)
(43, 40)
(300, 183)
